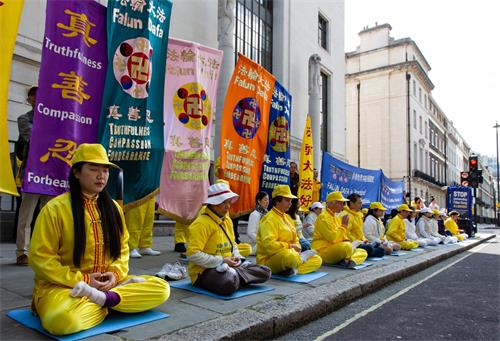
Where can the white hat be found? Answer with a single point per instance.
(426, 210)
(220, 192)
(317, 204)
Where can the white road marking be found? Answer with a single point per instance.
(387, 300)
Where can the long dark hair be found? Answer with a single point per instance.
(294, 207)
(111, 221)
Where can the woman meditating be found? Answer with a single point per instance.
(79, 254)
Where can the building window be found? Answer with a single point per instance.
(421, 159)
(324, 110)
(414, 88)
(322, 32)
(420, 124)
(414, 119)
(415, 156)
(425, 129)
(420, 95)
(425, 101)
(254, 31)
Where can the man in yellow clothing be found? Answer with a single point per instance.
(278, 245)
(316, 186)
(80, 256)
(355, 226)
(330, 237)
(215, 263)
(396, 230)
(140, 220)
(451, 226)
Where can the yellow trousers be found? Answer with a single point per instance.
(61, 314)
(338, 252)
(140, 222)
(290, 259)
(408, 245)
(245, 249)
(180, 233)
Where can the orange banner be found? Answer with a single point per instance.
(245, 122)
(306, 170)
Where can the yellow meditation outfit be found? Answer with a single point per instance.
(180, 233)
(275, 237)
(316, 190)
(396, 232)
(51, 258)
(331, 241)
(355, 226)
(451, 225)
(140, 222)
(206, 235)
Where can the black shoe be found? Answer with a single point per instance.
(288, 273)
(180, 247)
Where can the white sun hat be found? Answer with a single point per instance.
(425, 210)
(220, 192)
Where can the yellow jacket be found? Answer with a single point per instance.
(396, 230)
(355, 225)
(451, 225)
(328, 230)
(206, 235)
(276, 232)
(52, 244)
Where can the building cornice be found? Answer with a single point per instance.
(411, 65)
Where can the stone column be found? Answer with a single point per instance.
(314, 107)
(225, 28)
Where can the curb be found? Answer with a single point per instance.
(270, 319)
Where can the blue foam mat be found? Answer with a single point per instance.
(245, 291)
(375, 259)
(417, 250)
(302, 278)
(114, 321)
(357, 267)
(398, 253)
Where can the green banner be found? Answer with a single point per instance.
(131, 124)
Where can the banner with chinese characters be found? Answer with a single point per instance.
(245, 123)
(391, 192)
(131, 126)
(276, 165)
(70, 92)
(190, 103)
(340, 176)
(306, 168)
(10, 14)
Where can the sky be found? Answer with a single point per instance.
(461, 41)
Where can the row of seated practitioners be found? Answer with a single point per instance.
(341, 234)
(79, 248)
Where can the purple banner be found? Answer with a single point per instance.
(70, 89)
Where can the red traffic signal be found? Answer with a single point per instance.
(473, 164)
(464, 179)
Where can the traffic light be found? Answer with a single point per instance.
(464, 179)
(473, 179)
(479, 176)
(473, 164)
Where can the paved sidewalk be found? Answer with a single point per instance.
(265, 315)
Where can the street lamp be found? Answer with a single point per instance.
(496, 126)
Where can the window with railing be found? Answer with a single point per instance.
(253, 31)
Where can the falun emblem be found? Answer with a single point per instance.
(278, 135)
(192, 106)
(246, 117)
(132, 66)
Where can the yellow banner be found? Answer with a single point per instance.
(10, 14)
(306, 170)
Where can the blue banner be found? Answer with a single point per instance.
(276, 165)
(391, 192)
(459, 199)
(131, 124)
(340, 176)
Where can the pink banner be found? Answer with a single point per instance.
(190, 94)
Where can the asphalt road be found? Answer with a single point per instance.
(458, 299)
